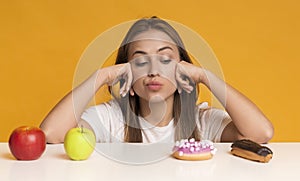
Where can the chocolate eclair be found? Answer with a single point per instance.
(251, 150)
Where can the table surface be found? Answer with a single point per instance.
(54, 164)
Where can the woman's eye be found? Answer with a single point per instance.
(141, 64)
(166, 61)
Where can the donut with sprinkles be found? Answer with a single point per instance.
(190, 149)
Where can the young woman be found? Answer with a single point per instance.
(158, 94)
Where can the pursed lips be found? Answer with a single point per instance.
(154, 85)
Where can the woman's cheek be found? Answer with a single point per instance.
(138, 87)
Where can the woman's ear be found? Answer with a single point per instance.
(131, 91)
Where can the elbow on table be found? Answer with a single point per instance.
(52, 137)
(54, 140)
(269, 133)
(265, 136)
(262, 135)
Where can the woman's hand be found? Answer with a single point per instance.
(119, 72)
(69, 110)
(186, 74)
(247, 119)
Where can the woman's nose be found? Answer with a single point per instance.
(153, 74)
(153, 71)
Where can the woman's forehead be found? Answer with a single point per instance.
(153, 35)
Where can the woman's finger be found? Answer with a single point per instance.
(185, 85)
(126, 75)
(129, 79)
(183, 79)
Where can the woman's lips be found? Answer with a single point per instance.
(154, 86)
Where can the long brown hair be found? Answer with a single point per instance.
(184, 103)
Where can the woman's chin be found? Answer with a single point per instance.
(156, 99)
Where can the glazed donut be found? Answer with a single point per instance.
(251, 150)
(193, 150)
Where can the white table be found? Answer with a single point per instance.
(54, 165)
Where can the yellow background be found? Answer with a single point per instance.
(256, 42)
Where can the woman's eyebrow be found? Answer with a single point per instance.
(164, 48)
(159, 50)
(139, 52)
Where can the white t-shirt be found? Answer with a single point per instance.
(107, 123)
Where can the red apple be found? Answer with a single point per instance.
(27, 143)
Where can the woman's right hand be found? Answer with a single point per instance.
(68, 111)
(118, 72)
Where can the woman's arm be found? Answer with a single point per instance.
(66, 114)
(247, 119)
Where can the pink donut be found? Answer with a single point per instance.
(193, 150)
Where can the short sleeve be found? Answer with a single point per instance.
(106, 121)
(212, 123)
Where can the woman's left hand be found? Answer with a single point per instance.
(186, 74)
(248, 121)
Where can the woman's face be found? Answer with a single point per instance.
(153, 58)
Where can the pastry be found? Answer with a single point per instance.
(251, 150)
(193, 150)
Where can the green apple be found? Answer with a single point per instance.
(79, 143)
